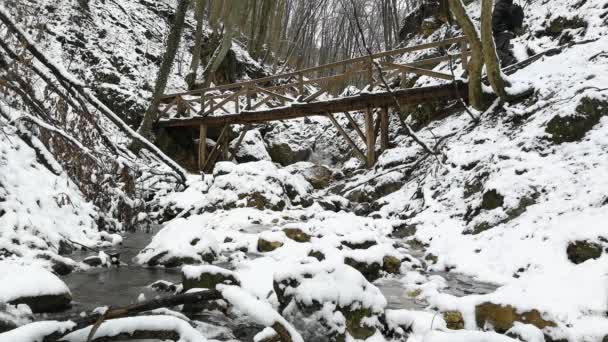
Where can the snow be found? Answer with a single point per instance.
(20, 281)
(129, 325)
(35, 332)
(466, 336)
(194, 272)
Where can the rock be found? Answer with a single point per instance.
(163, 286)
(574, 127)
(391, 264)
(492, 200)
(363, 209)
(296, 234)
(454, 320)
(268, 246)
(432, 258)
(45, 303)
(403, 231)
(207, 277)
(558, 25)
(317, 255)
(65, 248)
(365, 244)
(581, 251)
(371, 271)
(61, 268)
(93, 261)
(502, 317)
(317, 175)
(287, 154)
(252, 148)
(310, 295)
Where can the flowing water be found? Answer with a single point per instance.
(119, 286)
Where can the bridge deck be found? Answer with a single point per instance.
(360, 102)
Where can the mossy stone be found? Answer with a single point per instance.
(502, 317)
(454, 320)
(268, 246)
(492, 200)
(581, 251)
(359, 245)
(317, 255)
(391, 264)
(296, 234)
(574, 127)
(354, 325)
(371, 272)
(208, 281)
(46, 303)
(560, 24)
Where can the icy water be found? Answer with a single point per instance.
(119, 286)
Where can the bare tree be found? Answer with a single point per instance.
(198, 42)
(175, 35)
(489, 51)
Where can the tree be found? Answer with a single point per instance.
(198, 40)
(489, 50)
(175, 35)
(476, 62)
(230, 15)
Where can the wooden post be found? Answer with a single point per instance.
(371, 141)
(226, 143)
(248, 98)
(464, 54)
(301, 85)
(202, 147)
(202, 102)
(237, 107)
(384, 120)
(370, 75)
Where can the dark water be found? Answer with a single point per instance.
(120, 286)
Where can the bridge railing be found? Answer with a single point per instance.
(279, 90)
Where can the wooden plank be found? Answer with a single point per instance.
(419, 71)
(202, 147)
(239, 141)
(270, 93)
(346, 137)
(315, 95)
(166, 109)
(208, 166)
(371, 141)
(357, 129)
(411, 96)
(384, 121)
(261, 103)
(220, 105)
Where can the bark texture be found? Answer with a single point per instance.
(489, 51)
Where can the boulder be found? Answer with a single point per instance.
(581, 251)
(163, 286)
(296, 234)
(252, 148)
(371, 267)
(573, 128)
(454, 320)
(492, 200)
(286, 153)
(317, 175)
(311, 296)
(268, 246)
(502, 317)
(34, 286)
(207, 277)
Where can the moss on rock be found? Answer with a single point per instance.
(391, 264)
(581, 251)
(454, 320)
(46, 303)
(574, 127)
(268, 246)
(296, 234)
(502, 317)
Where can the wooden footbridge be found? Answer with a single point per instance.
(299, 94)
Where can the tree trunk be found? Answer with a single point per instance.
(489, 51)
(231, 13)
(145, 129)
(198, 40)
(476, 62)
(260, 37)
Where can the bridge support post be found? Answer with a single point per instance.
(384, 119)
(202, 147)
(371, 138)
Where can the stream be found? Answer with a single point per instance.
(120, 286)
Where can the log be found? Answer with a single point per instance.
(346, 137)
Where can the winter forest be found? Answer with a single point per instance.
(297, 170)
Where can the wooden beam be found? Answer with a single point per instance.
(384, 121)
(239, 141)
(356, 127)
(371, 141)
(346, 137)
(270, 93)
(208, 166)
(202, 147)
(419, 71)
(411, 96)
